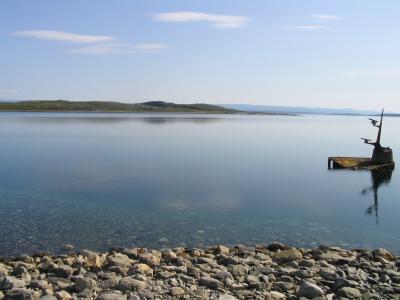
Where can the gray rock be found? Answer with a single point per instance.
(48, 297)
(111, 296)
(59, 282)
(201, 293)
(304, 273)
(20, 270)
(211, 283)
(239, 270)
(250, 279)
(165, 275)
(343, 282)
(328, 274)
(143, 269)
(20, 294)
(308, 263)
(48, 266)
(333, 257)
(150, 259)
(67, 247)
(383, 253)
(177, 291)
(119, 260)
(225, 277)
(350, 293)
(133, 252)
(309, 290)
(226, 297)
(63, 295)
(370, 296)
(117, 270)
(285, 286)
(92, 259)
(274, 295)
(147, 295)
(130, 284)
(286, 256)
(64, 271)
(110, 283)
(85, 286)
(277, 246)
(40, 284)
(221, 249)
(3, 270)
(11, 282)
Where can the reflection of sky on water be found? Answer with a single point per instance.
(246, 178)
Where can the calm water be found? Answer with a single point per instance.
(101, 180)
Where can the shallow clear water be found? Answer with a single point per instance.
(99, 180)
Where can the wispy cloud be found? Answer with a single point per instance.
(306, 27)
(63, 36)
(222, 21)
(99, 44)
(120, 48)
(320, 19)
(325, 17)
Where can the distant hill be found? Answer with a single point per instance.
(299, 109)
(104, 106)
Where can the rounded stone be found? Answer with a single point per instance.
(309, 290)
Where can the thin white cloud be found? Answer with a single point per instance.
(222, 21)
(120, 48)
(7, 91)
(63, 36)
(306, 27)
(324, 17)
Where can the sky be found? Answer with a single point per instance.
(320, 53)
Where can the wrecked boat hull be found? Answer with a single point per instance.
(357, 163)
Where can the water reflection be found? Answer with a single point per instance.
(100, 180)
(66, 118)
(378, 178)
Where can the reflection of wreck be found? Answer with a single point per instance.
(378, 177)
(382, 157)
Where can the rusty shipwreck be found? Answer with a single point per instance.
(382, 157)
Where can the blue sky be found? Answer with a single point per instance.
(342, 53)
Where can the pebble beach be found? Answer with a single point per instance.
(274, 271)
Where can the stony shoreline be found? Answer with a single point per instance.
(273, 272)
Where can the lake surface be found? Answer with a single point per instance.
(100, 179)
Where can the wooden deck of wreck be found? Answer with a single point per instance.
(356, 163)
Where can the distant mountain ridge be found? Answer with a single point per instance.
(299, 109)
(107, 106)
(162, 106)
